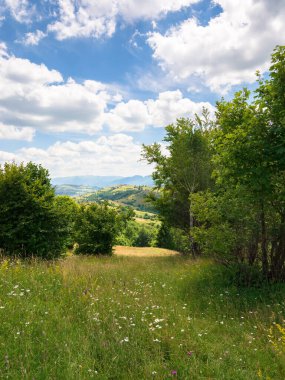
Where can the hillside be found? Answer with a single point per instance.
(125, 195)
(74, 190)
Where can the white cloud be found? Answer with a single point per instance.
(21, 10)
(135, 115)
(3, 50)
(89, 18)
(84, 19)
(35, 97)
(6, 157)
(228, 50)
(150, 9)
(171, 105)
(33, 38)
(10, 132)
(107, 155)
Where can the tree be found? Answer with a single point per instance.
(247, 208)
(30, 224)
(185, 170)
(97, 228)
(68, 210)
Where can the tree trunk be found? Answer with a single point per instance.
(264, 256)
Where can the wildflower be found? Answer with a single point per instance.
(173, 372)
(190, 353)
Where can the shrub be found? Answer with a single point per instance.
(30, 222)
(96, 229)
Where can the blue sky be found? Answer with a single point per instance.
(84, 83)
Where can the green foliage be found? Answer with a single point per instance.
(185, 170)
(67, 210)
(97, 227)
(30, 221)
(138, 235)
(172, 238)
(243, 220)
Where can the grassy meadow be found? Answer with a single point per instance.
(146, 315)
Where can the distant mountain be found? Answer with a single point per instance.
(136, 180)
(75, 190)
(103, 181)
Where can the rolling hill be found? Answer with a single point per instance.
(125, 195)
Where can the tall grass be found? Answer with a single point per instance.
(135, 318)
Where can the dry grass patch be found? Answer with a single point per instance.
(143, 251)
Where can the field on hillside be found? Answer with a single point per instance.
(136, 317)
(123, 195)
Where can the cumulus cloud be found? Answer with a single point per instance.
(33, 97)
(88, 18)
(10, 132)
(227, 50)
(135, 115)
(33, 38)
(107, 155)
(84, 19)
(21, 10)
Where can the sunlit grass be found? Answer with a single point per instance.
(135, 318)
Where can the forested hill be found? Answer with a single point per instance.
(125, 195)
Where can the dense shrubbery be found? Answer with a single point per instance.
(96, 229)
(173, 238)
(32, 221)
(138, 234)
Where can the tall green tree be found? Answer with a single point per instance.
(184, 170)
(249, 150)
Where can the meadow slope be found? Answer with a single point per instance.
(128, 317)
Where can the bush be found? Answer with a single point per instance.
(68, 213)
(30, 222)
(138, 235)
(172, 238)
(96, 229)
(143, 238)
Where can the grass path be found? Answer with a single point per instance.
(135, 318)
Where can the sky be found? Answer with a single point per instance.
(84, 83)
